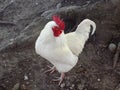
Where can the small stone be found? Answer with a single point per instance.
(11, 43)
(7, 81)
(72, 87)
(27, 83)
(112, 47)
(68, 84)
(98, 80)
(25, 77)
(11, 40)
(23, 87)
(80, 87)
(88, 2)
(30, 74)
(62, 85)
(12, 1)
(16, 86)
(5, 65)
(36, 3)
(35, 86)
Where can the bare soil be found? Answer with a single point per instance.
(22, 69)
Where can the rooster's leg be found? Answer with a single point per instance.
(51, 69)
(60, 79)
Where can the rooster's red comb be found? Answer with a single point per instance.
(59, 22)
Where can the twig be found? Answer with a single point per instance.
(116, 56)
(6, 23)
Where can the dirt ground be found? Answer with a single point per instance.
(22, 69)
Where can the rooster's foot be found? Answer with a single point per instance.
(60, 79)
(51, 69)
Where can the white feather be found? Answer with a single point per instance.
(76, 40)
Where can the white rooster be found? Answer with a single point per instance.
(76, 40)
(52, 45)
